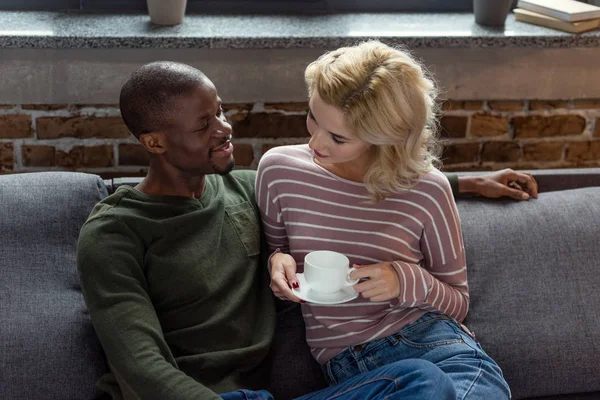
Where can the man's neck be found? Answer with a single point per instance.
(170, 182)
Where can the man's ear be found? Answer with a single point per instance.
(154, 142)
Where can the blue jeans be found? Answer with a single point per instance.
(401, 380)
(435, 338)
(247, 395)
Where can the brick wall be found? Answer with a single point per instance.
(477, 135)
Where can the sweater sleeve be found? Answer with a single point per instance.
(269, 206)
(439, 282)
(109, 260)
(453, 179)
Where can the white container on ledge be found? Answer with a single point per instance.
(166, 12)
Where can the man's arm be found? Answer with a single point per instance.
(109, 260)
(504, 183)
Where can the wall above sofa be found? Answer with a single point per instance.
(477, 135)
(522, 96)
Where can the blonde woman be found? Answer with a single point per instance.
(366, 186)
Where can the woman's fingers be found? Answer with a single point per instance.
(281, 289)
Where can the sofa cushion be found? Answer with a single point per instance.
(48, 348)
(294, 370)
(534, 276)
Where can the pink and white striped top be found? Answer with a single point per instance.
(305, 208)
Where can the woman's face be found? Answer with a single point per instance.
(331, 139)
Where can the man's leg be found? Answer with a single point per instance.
(401, 380)
(247, 395)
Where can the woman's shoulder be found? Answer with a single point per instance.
(289, 155)
(434, 181)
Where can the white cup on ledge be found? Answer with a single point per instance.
(166, 12)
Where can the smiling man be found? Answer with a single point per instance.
(170, 269)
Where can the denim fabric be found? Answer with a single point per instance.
(247, 395)
(434, 338)
(402, 380)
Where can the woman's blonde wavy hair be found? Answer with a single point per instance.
(389, 102)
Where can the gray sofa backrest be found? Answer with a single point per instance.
(48, 348)
(534, 277)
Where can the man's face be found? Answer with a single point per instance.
(198, 141)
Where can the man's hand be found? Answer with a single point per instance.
(283, 276)
(382, 282)
(504, 183)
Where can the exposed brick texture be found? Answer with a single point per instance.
(587, 103)
(243, 154)
(506, 105)
(518, 134)
(237, 106)
(467, 168)
(453, 126)
(237, 111)
(501, 152)
(122, 174)
(81, 156)
(541, 126)
(271, 125)
(81, 127)
(133, 154)
(6, 156)
(459, 153)
(583, 151)
(44, 107)
(38, 156)
(484, 125)
(267, 147)
(287, 106)
(543, 151)
(103, 106)
(469, 105)
(15, 126)
(536, 105)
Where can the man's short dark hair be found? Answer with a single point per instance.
(149, 97)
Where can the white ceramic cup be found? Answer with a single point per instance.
(327, 271)
(166, 12)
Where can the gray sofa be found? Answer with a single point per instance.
(534, 272)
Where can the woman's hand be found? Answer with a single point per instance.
(383, 283)
(283, 277)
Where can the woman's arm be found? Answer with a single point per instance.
(439, 281)
(282, 266)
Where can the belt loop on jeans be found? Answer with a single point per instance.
(358, 348)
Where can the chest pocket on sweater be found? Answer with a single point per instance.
(245, 222)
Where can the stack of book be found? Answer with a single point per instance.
(565, 15)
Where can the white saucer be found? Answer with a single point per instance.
(307, 294)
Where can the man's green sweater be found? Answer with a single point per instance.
(177, 290)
